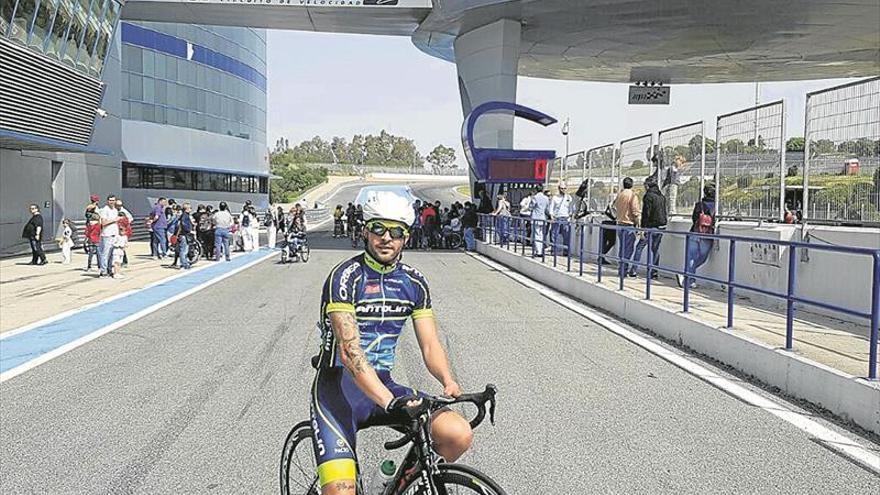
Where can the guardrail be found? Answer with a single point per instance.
(515, 233)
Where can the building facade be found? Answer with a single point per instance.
(142, 111)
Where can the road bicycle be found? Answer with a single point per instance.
(422, 472)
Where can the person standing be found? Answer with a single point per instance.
(560, 212)
(672, 181)
(109, 230)
(158, 229)
(184, 230)
(120, 243)
(629, 212)
(485, 202)
(502, 217)
(92, 238)
(271, 223)
(702, 222)
(539, 208)
(126, 231)
(428, 221)
(469, 224)
(33, 232)
(223, 222)
(67, 232)
(525, 211)
(254, 228)
(653, 217)
(245, 226)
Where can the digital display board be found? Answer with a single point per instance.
(509, 169)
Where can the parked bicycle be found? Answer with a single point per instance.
(422, 472)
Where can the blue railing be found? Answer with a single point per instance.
(567, 238)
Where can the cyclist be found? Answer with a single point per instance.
(365, 303)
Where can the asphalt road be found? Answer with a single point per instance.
(198, 397)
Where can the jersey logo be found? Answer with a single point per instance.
(343, 280)
(372, 288)
(373, 309)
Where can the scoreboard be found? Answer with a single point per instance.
(517, 169)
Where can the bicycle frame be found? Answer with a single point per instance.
(419, 456)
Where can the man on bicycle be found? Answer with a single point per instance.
(365, 303)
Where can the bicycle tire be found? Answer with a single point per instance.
(456, 476)
(454, 240)
(298, 434)
(304, 254)
(194, 253)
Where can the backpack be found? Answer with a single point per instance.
(704, 221)
(245, 220)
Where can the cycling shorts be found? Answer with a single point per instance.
(338, 410)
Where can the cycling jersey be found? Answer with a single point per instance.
(382, 299)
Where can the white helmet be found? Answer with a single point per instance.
(387, 205)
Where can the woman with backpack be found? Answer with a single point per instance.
(703, 222)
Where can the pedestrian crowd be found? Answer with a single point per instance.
(176, 231)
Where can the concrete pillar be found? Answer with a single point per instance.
(487, 59)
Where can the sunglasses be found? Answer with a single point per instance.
(379, 229)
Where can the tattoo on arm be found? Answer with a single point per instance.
(344, 485)
(350, 344)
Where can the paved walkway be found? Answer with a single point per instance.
(32, 293)
(837, 343)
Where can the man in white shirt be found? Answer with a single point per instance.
(560, 212)
(539, 205)
(109, 230)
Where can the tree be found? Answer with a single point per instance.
(441, 157)
(794, 144)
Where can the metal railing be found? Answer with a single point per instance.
(566, 241)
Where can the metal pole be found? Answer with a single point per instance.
(731, 277)
(717, 168)
(875, 319)
(782, 165)
(589, 179)
(581, 250)
(554, 235)
(568, 245)
(601, 258)
(806, 182)
(621, 266)
(650, 266)
(703, 163)
(789, 313)
(685, 304)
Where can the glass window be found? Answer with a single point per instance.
(7, 7)
(74, 34)
(181, 179)
(21, 23)
(161, 92)
(136, 111)
(171, 68)
(63, 17)
(42, 22)
(136, 87)
(131, 176)
(111, 15)
(132, 58)
(149, 62)
(149, 113)
(219, 182)
(90, 35)
(160, 115)
(160, 65)
(149, 90)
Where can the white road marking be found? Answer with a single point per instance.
(33, 363)
(830, 439)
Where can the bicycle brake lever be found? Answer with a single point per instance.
(492, 403)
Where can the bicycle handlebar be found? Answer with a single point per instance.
(432, 404)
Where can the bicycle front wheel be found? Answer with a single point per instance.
(455, 479)
(298, 470)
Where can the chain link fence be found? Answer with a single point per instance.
(842, 149)
(634, 160)
(750, 163)
(682, 165)
(600, 172)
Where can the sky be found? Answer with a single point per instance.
(323, 84)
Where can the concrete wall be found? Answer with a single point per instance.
(853, 399)
(839, 279)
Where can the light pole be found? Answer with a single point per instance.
(565, 128)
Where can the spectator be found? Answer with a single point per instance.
(206, 231)
(653, 217)
(502, 214)
(485, 202)
(184, 230)
(120, 243)
(223, 223)
(560, 212)
(92, 207)
(429, 221)
(702, 222)
(629, 212)
(672, 181)
(66, 241)
(172, 231)
(127, 231)
(254, 228)
(469, 223)
(158, 225)
(608, 235)
(539, 209)
(237, 236)
(92, 238)
(271, 224)
(245, 225)
(33, 232)
(279, 217)
(109, 230)
(415, 238)
(525, 211)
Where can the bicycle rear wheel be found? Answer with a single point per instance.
(304, 254)
(455, 479)
(298, 470)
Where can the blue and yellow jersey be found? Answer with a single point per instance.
(381, 298)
